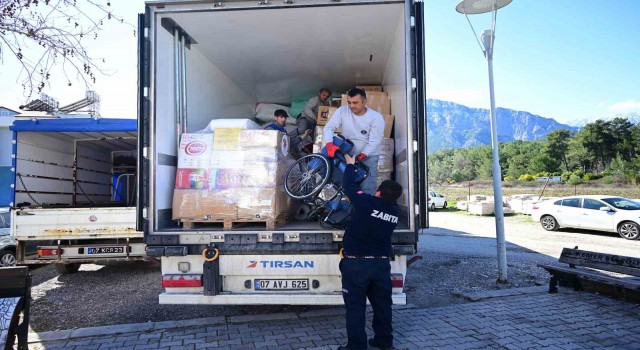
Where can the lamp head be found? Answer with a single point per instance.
(474, 7)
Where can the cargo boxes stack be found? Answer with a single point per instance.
(231, 175)
(385, 162)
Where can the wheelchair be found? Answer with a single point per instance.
(309, 179)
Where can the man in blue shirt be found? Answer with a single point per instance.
(366, 271)
(279, 122)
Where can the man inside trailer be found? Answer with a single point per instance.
(279, 124)
(362, 126)
(306, 122)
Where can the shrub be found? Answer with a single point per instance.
(608, 180)
(542, 174)
(566, 175)
(574, 179)
(526, 177)
(451, 181)
(592, 176)
(508, 178)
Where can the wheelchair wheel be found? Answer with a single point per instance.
(307, 176)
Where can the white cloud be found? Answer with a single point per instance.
(623, 106)
(467, 97)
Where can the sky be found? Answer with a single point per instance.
(567, 60)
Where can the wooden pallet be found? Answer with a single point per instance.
(228, 224)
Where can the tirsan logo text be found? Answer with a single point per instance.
(281, 264)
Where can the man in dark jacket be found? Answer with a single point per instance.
(366, 271)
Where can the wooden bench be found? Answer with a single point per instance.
(620, 278)
(15, 298)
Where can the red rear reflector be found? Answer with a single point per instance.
(49, 252)
(397, 281)
(535, 207)
(178, 281)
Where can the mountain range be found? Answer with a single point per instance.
(451, 125)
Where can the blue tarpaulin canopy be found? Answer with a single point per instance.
(76, 125)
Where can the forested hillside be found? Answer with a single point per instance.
(606, 149)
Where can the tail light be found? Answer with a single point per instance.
(397, 281)
(50, 252)
(535, 207)
(181, 281)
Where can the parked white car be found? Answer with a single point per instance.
(601, 213)
(436, 200)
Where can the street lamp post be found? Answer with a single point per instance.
(472, 7)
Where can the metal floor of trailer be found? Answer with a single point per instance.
(295, 225)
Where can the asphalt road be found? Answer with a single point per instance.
(522, 234)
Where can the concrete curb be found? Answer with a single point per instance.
(62, 335)
(492, 294)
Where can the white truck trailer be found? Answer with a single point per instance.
(74, 192)
(203, 60)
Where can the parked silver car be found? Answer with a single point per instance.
(601, 213)
(7, 244)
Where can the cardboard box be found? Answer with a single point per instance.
(261, 138)
(370, 87)
(388, 124)
(261, 203)
(226, 139)
(319, 134)
(324, 114)
(227, 160)
(195, 151)
(204, 204)
(378, 101)
(387, 147)
(192, 178)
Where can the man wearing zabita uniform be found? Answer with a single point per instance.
(366, 271)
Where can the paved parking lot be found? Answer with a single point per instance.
(569, 320)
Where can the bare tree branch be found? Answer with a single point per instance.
(47, 34)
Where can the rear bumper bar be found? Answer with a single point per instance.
(263, 299)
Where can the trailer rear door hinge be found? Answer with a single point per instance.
(413, 22)
(414, 83)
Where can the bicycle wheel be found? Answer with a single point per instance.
(307, 176)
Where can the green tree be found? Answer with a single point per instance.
(557, 145)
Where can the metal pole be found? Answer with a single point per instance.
(177, 82)
(487, 39)
(183, 81)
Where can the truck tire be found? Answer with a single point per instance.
(67, 268)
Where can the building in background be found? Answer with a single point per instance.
(7, 116)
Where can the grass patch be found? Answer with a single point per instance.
(459, 192)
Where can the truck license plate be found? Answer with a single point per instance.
(281, 284)
(105, 250)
